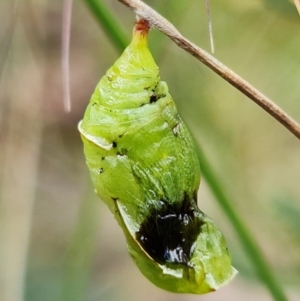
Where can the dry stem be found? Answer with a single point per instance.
(157, 21)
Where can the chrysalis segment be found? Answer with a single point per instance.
(144, 166)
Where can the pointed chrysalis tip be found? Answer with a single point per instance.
(142, 26)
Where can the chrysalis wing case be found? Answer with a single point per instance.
(144, 166)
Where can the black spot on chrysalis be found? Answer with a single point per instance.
(153, 98)
(161, 95)
(175, 130)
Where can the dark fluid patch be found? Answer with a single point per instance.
(168, 234)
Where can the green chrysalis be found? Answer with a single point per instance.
(144, 166)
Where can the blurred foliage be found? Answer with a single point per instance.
(45, 209)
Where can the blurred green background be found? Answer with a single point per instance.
(57, 240)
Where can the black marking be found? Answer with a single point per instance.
(102, 158)
(168, 233)
(153, 98)
(175, 129)
(161, 95)
(101, 170)
(114, 144)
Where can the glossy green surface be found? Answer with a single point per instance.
(142, 159)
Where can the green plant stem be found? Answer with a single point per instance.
(82, 245)
(108, 22)
(248, 242)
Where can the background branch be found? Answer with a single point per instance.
(157, 21)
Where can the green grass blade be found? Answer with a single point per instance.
(249, 244)
(109, 23)
(81, 250)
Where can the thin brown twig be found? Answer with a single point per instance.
(159, 22)
(297, 3)
(65, 53)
